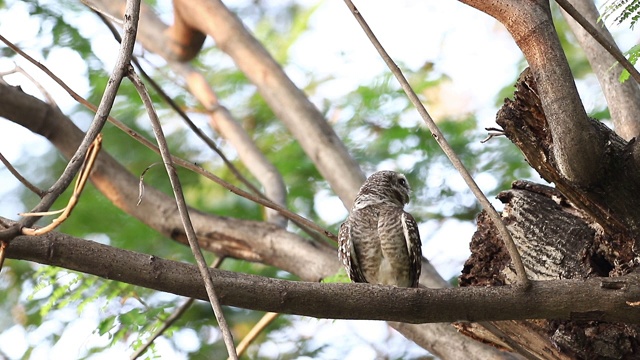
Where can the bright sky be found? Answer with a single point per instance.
(470, 47)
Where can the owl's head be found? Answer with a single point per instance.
(383, 187)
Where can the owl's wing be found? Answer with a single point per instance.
(347, 254)
(414, 246)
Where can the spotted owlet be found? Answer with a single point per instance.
(379, 243)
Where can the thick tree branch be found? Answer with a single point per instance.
(577, 147)
(613, 203)
(562, 232)
(446, 342)
(604, 299)
(185, 41)
(623, 98)
(243, 239)
(249, 240)
(444, 145)
(221, 119)
(247, 150)
(289, 103)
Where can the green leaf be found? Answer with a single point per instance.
(340, 277)
(106, 325)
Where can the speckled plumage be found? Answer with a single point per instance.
(379, 243)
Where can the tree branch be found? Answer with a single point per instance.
(578, 150)
(446, 342)
(289, 103)
(602, 299)
(122, 62)
(247, 150)
(446, 148)
(183, 212)
(623, 98)
(228, 127)
(34, 189)
(249, 240)
(243, 239)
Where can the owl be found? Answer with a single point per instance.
(379, 243)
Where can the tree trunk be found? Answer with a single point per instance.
(564, 232)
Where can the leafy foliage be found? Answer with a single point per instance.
(633, 54)
(625, 10)
(57, 290)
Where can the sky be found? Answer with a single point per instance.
(473, 50)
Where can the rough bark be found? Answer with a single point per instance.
(563, 232)
(613, 201)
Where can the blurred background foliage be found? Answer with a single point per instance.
(374, 119)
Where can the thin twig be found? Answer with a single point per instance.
(256, 163)
(597, 36)
(492, 132)
(3, 253)
(207, 140)
(177, 314)
(103, 15)
(21, 178)
(97, 10)
(132, 11)
(265, 320)
(181, 162)
(446, 148)
(184, 212)
(17, 69)
(83, 177)
(141, 183)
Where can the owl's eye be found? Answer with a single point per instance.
(402, 182)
